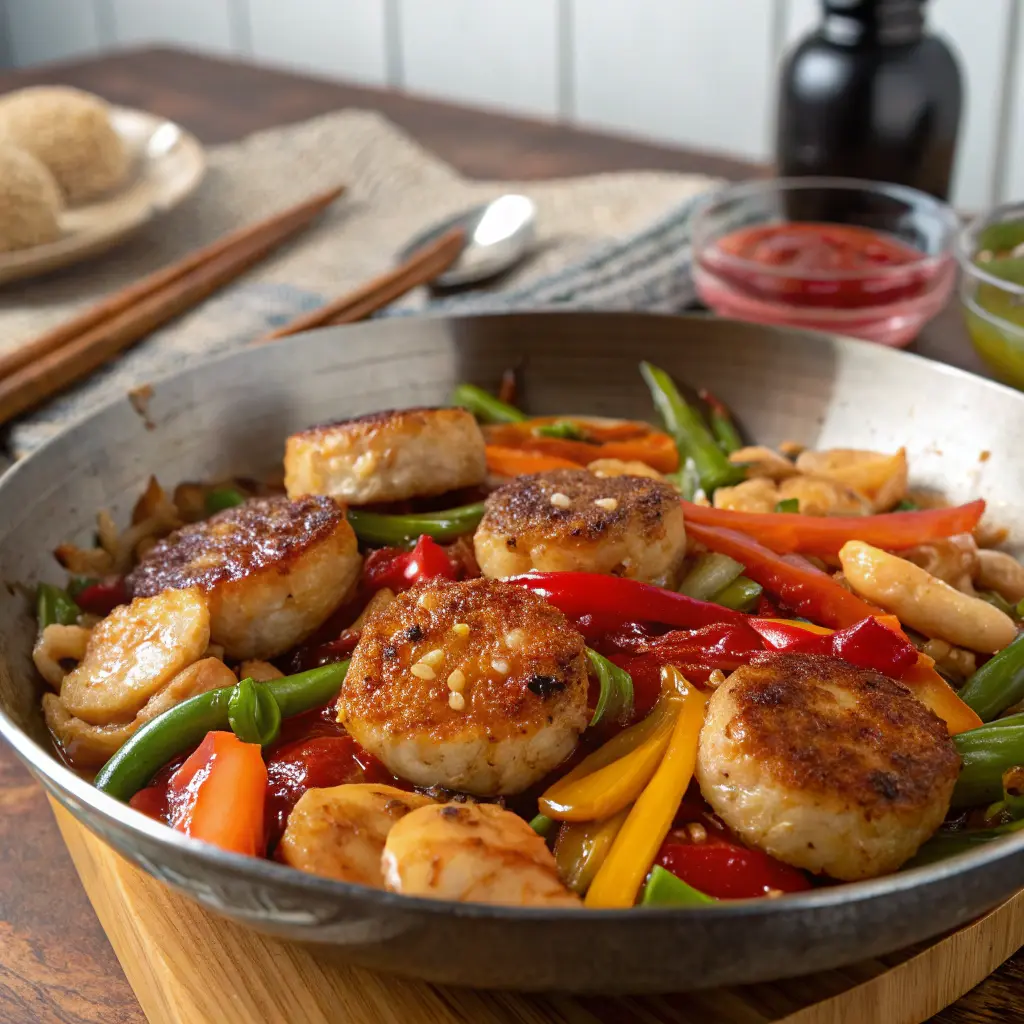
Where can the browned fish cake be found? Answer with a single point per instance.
(272, 570)
(387, 456)
(479, 686)
(829, 767)
(569, 520)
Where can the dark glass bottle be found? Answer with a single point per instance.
(869, 94)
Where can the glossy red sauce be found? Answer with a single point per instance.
(831, 265)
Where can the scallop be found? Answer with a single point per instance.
(272, 571)
(831, 768)
(387, 456)
(569, 520)
(478, 686)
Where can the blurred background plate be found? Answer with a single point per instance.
(168, 164)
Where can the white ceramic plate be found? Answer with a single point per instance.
(167, 165)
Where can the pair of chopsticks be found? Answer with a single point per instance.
(37, 371)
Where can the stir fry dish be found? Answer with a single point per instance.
(560, 661)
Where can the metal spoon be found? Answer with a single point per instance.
(498, 235)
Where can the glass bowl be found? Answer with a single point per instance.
(992, 289)
(902, 276)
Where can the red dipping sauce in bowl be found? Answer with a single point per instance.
(870, 260)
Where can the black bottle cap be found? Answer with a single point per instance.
(890, 22)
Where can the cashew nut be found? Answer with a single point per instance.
(881, 478)
(1002, 573)
(923, 602)
(762, 461)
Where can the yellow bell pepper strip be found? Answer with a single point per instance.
(615, 774)
(632, 854)
(927, 685)
(581, 848)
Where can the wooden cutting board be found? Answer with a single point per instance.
(188, 966)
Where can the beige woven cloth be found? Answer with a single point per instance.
(395, 189)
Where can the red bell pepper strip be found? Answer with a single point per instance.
(103, 597)
(612, 601)
(798, 585)
(217, 795)
(400, 570)
(868, 644)
(728, 871)
(825, 535)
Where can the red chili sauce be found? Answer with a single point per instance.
(815, 264)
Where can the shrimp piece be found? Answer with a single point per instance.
(90, 746)
(757, 495)
(472, 853)
(954, 560)
(340, 832)
(761, 461)
(880, 478)
(57, 644)
(1002, 573)
(259, 671)
(923, 602)
(134, 653)
(819, 496)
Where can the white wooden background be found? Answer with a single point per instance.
(699, 73)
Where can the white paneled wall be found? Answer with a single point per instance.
(697, 73)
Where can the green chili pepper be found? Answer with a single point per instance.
(998, 684)
(484, 406)
(183, 727)
(564, 429)
(985, 754)
(543, 825)
(55, 607)
(788, 505)
(710, 574)
(616, 698)
(741, 595)
(663, 889)
(222, 498)
(690, 433)
(722, 426)
(253, 714)
(395, 530)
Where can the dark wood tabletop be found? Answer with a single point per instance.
(55, 962)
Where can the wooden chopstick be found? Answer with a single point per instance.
(79, 355)
(296, 216)
(424, 265)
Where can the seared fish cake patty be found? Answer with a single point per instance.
(387, 456)
(479, 687)
(832, 768)
(272, 570)
(569, 520)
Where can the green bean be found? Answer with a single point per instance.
(222, 498)
(485, 407)
(985, 753)
(741, 595)
(663, 889)
(184, 726)
(395, 530)
(55, 607)
(722, 426)
(253, 714)
(686, 479)
(949, 844)
(616, 697)
(690, 433)
(998, 684)
(543, 825)
(710, 574)
(906, 505)
(788, 505)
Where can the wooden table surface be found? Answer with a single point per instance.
(55, 962)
